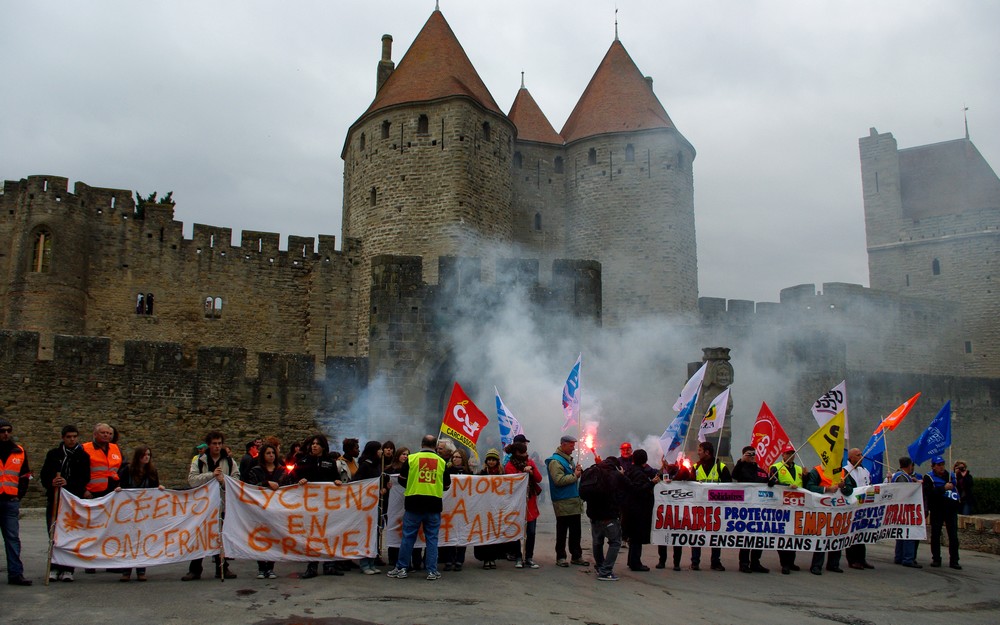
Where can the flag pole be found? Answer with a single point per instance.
(52, 531)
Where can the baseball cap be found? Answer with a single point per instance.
(787, 449)
(937, 460)
(521, 438)
(567, 439)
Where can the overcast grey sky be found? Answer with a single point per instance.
(241, 107)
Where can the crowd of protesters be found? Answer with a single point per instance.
(617, 494)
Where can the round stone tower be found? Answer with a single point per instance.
(427, 166)
(630, 194)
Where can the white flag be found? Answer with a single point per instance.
(830, 404)
(715, 416)
(693, 386)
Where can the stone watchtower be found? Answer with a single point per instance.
(630, 193)
(45, 273)
(932, 220)
(427, 166)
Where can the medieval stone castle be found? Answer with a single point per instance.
(108, 310)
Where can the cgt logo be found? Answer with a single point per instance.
(678, 494)
(427, 470)
(792, 498)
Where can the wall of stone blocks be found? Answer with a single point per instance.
(637, 219)
(443, 192)
(293, 300)
(159, 395)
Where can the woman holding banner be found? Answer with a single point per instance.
(454, 557)
(369, 468)
(489, 553)
(267, 473)
(520, 463)
(317, 465)
(140, 473)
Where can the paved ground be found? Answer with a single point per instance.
(887, 595)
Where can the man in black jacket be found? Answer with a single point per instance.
(604, 511)
(747, 470)
(65, 467)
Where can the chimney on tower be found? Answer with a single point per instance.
(385, 66)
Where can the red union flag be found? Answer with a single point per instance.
(767, 437)
(463, 420)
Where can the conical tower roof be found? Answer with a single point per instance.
(434, 67)
(531, 123)
(618, 99)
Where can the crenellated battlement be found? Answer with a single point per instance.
(113, 213)
(90, 357)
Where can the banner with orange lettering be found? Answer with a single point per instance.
(477, 510)
(138, 527)
(315, 521)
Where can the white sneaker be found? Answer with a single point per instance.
(271, 575)
(261, 575)
(530, 564)
(54, 576)
(519, 564)
(369, 571)
(66, 576)
(397, 573)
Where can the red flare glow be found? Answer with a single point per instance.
(588, 442)
(289, 467)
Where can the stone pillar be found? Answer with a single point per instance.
(718, 376)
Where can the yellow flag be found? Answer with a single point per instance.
(828, 441)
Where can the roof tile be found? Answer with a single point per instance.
(434, 67)
(618, 99)
(531, 123)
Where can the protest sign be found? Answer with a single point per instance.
(307, 522)
(477, 510)
(755, 516)
(137, 527)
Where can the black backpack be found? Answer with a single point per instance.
(591, 483)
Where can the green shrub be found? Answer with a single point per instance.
(987, 493)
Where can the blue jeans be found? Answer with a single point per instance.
(431, 522)
(612, 531)
(906, 551)
(11, 537)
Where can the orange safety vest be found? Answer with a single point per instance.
(11, 471)
(103, 467)
(824, 481)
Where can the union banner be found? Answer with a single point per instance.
(755, 516)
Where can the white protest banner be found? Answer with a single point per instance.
(754, 516)
(314, 521)
(137, 527)
(477, 510)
